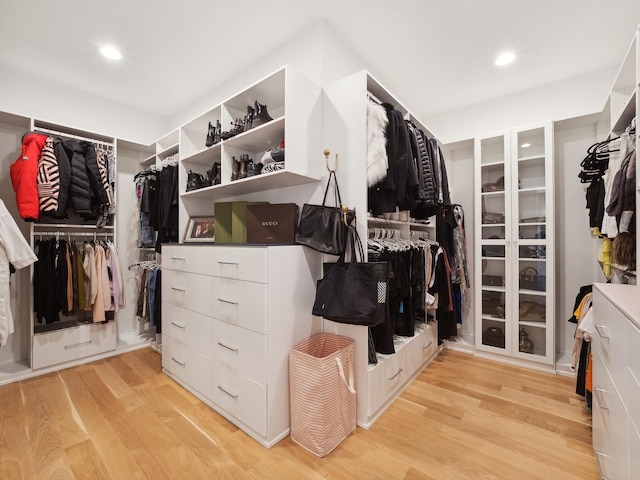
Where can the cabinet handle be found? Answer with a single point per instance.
(508, 243)
(182, 364)
(227, 347)
(221, 388)
(178, 289)
(79, 344)
(600, 329)
(227, 263)
(603, 407)
(179, 258)
(598, 455)
(430, 343)
(227, 301)
(396, 374)
(179, 326)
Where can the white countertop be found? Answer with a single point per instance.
(625, 297)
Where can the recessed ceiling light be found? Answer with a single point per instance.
(505, 58)
(111, 52)
(525, 145)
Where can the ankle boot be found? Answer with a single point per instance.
(235, 169)
(261, 115)
(252, 171)
(244, 159)
(217, 178)
(216, 133)
(251, 113)
(210, 135)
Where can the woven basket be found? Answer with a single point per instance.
(322, 394)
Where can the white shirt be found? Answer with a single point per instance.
(15, 249)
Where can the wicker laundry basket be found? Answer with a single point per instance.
(322, 392)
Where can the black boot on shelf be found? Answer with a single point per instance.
(211, 132)
(252, 171)
(235, 169)
(261, 115)
(216, 133)
(217, 178)
(251, 113)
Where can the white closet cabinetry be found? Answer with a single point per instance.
(616, 380)
(294, 104)
(230, 316)
(515, 243)
(345, 133)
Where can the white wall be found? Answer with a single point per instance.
(569, 98)
(27, 95)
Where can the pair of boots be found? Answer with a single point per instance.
(256, 115)
(244, 168)
(213, 134)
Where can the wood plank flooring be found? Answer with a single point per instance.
(461, 418)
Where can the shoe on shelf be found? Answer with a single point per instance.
(235, 169)
(211, 132)
(261, 115)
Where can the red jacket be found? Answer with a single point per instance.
(24, 172)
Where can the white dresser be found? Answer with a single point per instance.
(230, 315)
(616, 381)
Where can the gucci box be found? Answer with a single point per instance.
(272, 223)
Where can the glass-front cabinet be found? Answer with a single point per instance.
(514, 241)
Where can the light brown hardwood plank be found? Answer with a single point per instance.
(85, 462)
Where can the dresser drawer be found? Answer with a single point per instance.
(611, 330)
(70, 344)
(241, 398)
(189, 328)
(632, 399)
(421, 348)
(241, 262)
(233, 301)
(241, 350)
(188, 366)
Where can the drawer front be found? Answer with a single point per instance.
(632, 398)
(189, 366)
(243, 304)
(396, 371)
(233, 301)
(189, 328)
(241, 398)
(70, 344)
(609, 423)
(377, 386)
(241, 350)
(420, 349)
(609, 337)
(241, 263)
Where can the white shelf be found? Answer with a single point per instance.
(532, 190)
(492, 164)
(204, 157)
(533, 324)
(530, 158)
(537, 293)
(259, 139)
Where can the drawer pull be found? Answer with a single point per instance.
(178, 326)
(182, 364)
(74, 345)
(396, 374)
(179, 258)
(429, 344)
(227, 347)
(227, 301)
(178, 289)
(227, 263)
(598, 455)
(221, 388)
(600, 329)
(603, 407)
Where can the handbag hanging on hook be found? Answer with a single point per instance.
(322, 227)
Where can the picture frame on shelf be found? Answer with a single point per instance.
(200, 229)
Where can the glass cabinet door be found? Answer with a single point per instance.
(530, 181)
(493, 185)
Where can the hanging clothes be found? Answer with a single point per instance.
(14, 250)
(24, 172)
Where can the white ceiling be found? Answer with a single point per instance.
(176, 51)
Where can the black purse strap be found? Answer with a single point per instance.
(336, 192)
(353, 247)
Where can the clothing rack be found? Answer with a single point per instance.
(374, 98)
(70, 234)
(101, 143)
(148, 264)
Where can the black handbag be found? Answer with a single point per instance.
(348, 293)
(493, 336)
(325, 228)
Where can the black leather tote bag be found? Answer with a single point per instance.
(348, 293)
(324, 228)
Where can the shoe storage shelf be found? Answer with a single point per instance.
(514, 258)
(285, 107)
(230, 348)
(345, 130)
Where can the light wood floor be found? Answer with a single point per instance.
(462, 418)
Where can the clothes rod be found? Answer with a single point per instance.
(58, 226)
(56, 133)
(95, 235)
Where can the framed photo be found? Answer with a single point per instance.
(200, 229)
